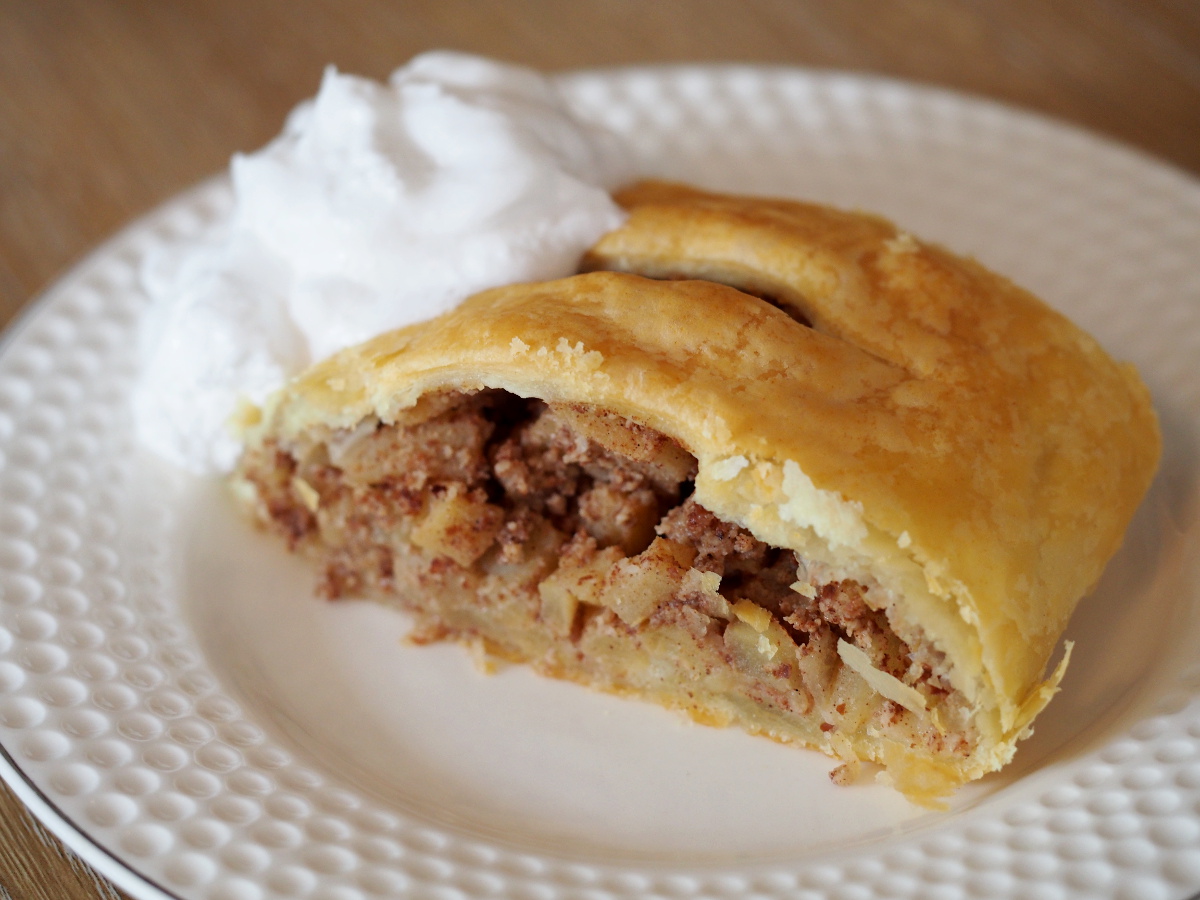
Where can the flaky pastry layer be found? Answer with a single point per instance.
(898, 414)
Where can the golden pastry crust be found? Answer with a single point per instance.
(987, 450)
(928, 427)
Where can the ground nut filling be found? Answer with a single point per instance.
(568, 538)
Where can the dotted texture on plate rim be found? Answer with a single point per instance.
(107, 706)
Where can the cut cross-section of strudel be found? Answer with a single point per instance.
(776, 465)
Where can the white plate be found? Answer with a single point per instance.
(178, 708)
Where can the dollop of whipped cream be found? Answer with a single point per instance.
(378, 206)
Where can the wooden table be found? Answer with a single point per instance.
(108, 107)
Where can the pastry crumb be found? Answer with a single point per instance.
(845, 774)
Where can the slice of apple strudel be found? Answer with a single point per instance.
(773, 464)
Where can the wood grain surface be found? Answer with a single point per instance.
(109, 107)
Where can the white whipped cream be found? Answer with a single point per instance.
(378, 206)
